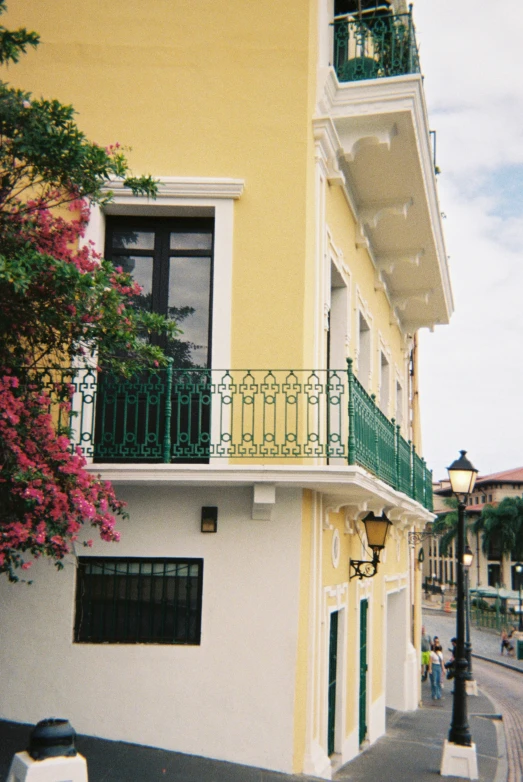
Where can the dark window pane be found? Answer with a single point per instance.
(190, 241)
(141, 270)
(133, 240)
(188, 303)
(138, 601)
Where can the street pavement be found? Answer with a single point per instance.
(502, 681)
(410, 751)
(485, 643)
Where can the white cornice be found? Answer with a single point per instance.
(389, 112)
(185, 187)
(344, 485)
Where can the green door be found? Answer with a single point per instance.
(364, 607)
(333, 655)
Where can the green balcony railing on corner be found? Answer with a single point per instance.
(176, 415)
(375, 45)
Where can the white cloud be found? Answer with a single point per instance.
(472, 370)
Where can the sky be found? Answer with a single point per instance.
(471, 371)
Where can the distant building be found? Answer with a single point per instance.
(490, 569)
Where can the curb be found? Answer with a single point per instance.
(502, 764)
(497, 662)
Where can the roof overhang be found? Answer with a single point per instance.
(376, 141)
(349, 486)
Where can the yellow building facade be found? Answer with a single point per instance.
(297, 238)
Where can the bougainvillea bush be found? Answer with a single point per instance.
(60, 304)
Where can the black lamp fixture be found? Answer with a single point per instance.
(468, 557)
(462, 475)
(376, 529)
(209, 519)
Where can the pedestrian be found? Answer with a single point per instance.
(450, 665)
(425, 654)
(505, 643)
(436, 666)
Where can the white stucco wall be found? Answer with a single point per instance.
(232, 697)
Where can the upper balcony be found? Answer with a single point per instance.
(372, 131)
(375, 45)
(241, 418)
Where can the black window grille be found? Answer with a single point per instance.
(135, 600)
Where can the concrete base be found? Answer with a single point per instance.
(459, 761)
(25, 769)
(471, 687)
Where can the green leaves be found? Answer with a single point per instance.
(502, 526)
(13, 43)
(59, 302)
(42, 149)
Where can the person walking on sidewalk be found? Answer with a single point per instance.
(436, 666)
(425, 654)
(505, 643)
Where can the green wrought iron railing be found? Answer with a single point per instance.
(193, 415)
(375, 46)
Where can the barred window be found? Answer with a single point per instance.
(135, 600)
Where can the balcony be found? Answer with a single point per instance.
(372, 132)
(375, 46)
(240, 417)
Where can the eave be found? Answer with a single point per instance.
(350, 487)
(376, 142)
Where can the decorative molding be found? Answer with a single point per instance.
(338, 592)
(328, 149)
(379, 283)
(362, 240)
(391, 114)
(325, 523)
(263, 501)
(387, 263)
(335, 549)
(183, 187)
(356, 138)
(371, 214)
(401, 301)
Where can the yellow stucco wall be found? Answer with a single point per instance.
(342, 226)
(208, 89)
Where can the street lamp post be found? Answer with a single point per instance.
(459, 753)
(471, 684)
(519, 570)
(467, 562)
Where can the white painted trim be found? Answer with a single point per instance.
(362, 308)
(316, 762)
(187, 196)
(349, 484)
(376, 719)
(183, 187)
(372, 105)
(320, 256)
(336, 257)
(335, 598)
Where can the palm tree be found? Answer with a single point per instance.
(502, 527)
(446, 525)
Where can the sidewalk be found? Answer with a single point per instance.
(409, 752)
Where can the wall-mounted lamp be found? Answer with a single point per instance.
(209, 518)
(376, 528)
(421, 556)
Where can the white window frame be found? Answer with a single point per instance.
(188, 197)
